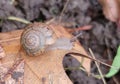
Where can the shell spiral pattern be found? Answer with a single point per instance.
(33, 40)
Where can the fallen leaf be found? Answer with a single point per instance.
(47, 67)
(116, 65)
(111, 9)
(12, 75)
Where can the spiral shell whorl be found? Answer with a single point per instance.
(34, 38)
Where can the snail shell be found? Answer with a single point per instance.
(36, 38)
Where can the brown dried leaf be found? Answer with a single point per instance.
(13, 75)
(47, 67)
(111, 9)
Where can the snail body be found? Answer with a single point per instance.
(35, 38)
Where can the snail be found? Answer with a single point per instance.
(38, 38)
(35, 38)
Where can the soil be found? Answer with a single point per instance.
(103, 38)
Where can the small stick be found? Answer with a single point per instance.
(18, 19)
(115, 80)
(87, 27)
(75, 37)
(100, 72)
(82, 55)
(65, 6)
(80, 68)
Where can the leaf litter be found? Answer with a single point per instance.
(75, 14)
(13, 75)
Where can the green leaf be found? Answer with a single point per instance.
(115, 65)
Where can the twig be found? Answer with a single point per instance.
(65, 6)
(98, 67)
(87, 27)
(50, 21)
(77, 68)
(115, 80)
(79, 54)
(50, 78)
(18, 19)
(75, 37)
